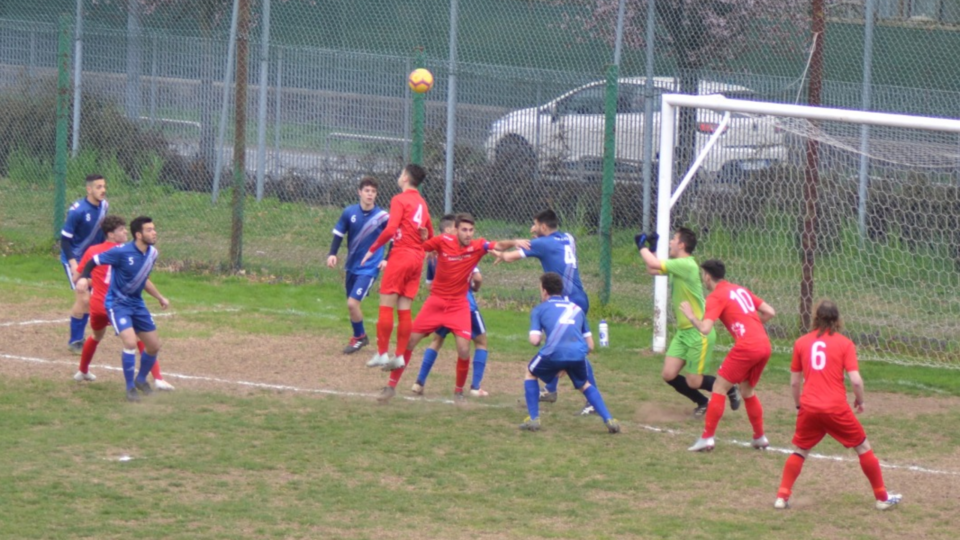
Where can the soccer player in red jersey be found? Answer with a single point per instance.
(409, 226)
(115, 231)
(447, 306)
(744, 314)
(819, 360)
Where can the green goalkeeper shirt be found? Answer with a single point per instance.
(685, 286)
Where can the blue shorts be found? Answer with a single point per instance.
(548, 370)
(358, 286)
(580, 300)
(66, 270)
(138, 318)
(477, 328)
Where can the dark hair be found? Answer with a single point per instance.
(715, 268)
(689, 239)
(827, 318)
(369, 181)
(549, 218)
(112, 223)
(136, 226)
(416, 173)
(465, 218)
(552, 283)
(94, 177)
(447, 220)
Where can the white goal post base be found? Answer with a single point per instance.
(666, 198)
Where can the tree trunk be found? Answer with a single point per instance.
(240, 137)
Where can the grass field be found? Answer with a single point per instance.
(272, 433)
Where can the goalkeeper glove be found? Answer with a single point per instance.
(652, 241)
(640, 240)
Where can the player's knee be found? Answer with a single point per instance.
(584, 387)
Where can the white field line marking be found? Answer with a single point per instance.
(321, 391)
(162, 314)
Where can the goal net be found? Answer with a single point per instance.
(806, 203)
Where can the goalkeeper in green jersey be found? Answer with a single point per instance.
(689, 350)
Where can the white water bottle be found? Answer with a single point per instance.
(604, 333)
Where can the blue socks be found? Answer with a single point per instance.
(531, 391)
(146, 364)
(129, 362)
(77, 327)
(357, 328)
(594, 398)
(479, 365)
(429, 357)
(590, 379)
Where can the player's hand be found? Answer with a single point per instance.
(640, 240)
(382, 265)
(81, 282)
(424, 233)
(523, 243)
(164, 303)
(858, 406)
(366, 258)
(332, 261)
(498, 255)
(652, 239)
(686, 309)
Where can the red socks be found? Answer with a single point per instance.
(714, 413)
(384, 329)
(404, 324)
(871, 467)
(755, 414)
(463, 367)
(791, 470)
(397, 373)
(89, 348)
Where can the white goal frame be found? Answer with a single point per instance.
(666, 198)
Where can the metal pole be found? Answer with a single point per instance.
(262, 112)
(277, 113)
(648, 115)
(419, 119)
(609, 162)
(60, 155)
(134, 68)
(664, 185)
(451, 112)
(808, 238)
(77, 79)
(240, 138)
(618, 39)
(154, 75)
(865, 129)
(225, 106)
(406, 118)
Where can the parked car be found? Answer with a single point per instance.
(569, 130)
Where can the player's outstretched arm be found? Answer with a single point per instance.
(536, 337)
(704, 326)
(154, 292)
(857, 382)
(766, 312)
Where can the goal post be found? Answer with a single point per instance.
(913, 335)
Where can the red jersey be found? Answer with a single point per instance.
(100, 276)
(737, 307)
(823, 359)
(408, 213)
(455, 264)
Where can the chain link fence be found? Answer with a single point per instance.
(153, 109)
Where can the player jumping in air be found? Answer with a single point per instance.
(743, 314)
(820, 359)
(361, 224)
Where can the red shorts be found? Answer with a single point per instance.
(451, 313)
(402, 275)
(841, 424)
(99, 320)
(744, 365)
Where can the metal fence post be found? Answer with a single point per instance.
(63, 105)
(262, 110)
(77, 79)
(419, 106)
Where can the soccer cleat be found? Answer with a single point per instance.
(132, 395)
(378, 360)
(458, 396)
(478, 392)
(163, 385)
(548, 397)
(702, 445)
(587, 410)
(781, 503)
(530, 424)
(417, 389)
(81, 376)
(736, 400)
(386, 394)
(76, 347)
(699, 411)
(893, 499)
(393, 362)
(356, 343)
(760, 443)
(143, 387)
(612, 426)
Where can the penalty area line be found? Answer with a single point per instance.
(162, 314)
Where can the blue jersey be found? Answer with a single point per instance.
(82, 227)
(558, 253)
(361, 229)
(131, 268)
(432, 271)
(566, 327)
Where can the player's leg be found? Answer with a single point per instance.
(807, 435)
(541, 369)
(718, 401)
(577, 371)
(121, 320)
(479, 355)
(79, 314)
(847, 430)
(463, 363)
(687, 349)
(98, 324)
(429, 358)
(752, 402)
(147, 332)
(358, 287)
(791, 471)
(390, 390)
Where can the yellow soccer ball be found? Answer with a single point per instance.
(420, 80)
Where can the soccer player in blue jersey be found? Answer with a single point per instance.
(131, 265)
(564, 348)
(361, 224)
(81, 229)
(557, 252)
(478, 330)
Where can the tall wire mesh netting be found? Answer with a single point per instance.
(156, 118)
